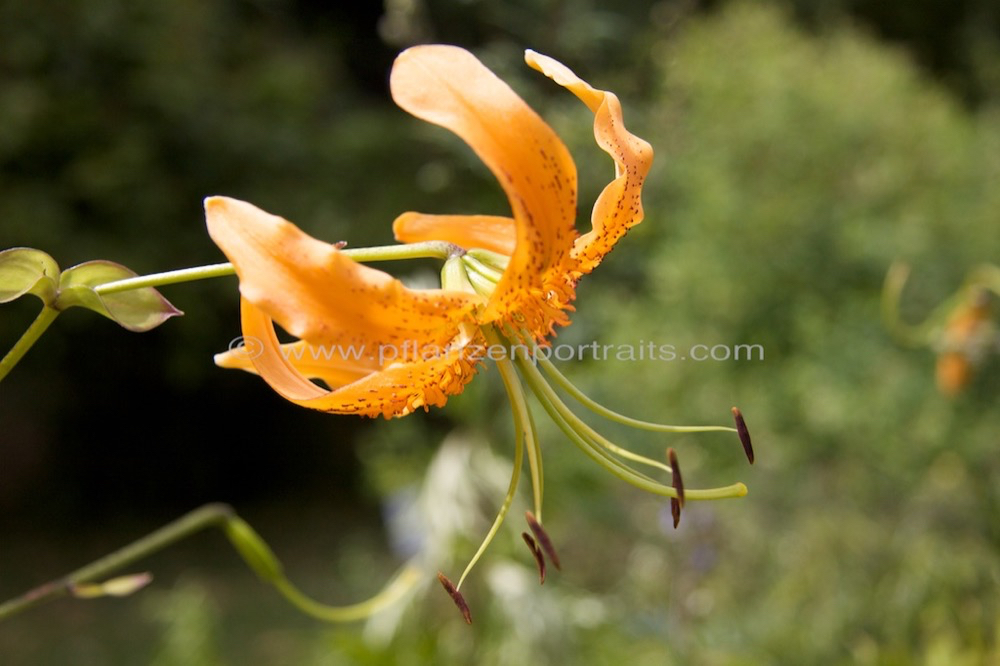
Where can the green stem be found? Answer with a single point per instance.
(21, 347)
(251, 547)
(169, 277)
(398, 587)
(427, 250)
(206, 516)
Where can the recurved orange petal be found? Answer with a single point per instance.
(382, 348)
(448, 86)
(489, 232)
(336, 366)
(318, 294)
(619, 206)
(423, 378)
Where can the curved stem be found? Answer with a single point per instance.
(30, 336)
(397, 587)
(250, 546)
(206, 516)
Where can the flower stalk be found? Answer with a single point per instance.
(247, 542)
(28, 339)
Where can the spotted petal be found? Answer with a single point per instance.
(448, 86)
(619, 206)
(395, 389)
(352, 320)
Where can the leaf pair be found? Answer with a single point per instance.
(28, 271)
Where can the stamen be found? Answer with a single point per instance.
(675, 511)
(340, 245)
(678, 482)
(565, 384)
(543, 539)
(524, 423)
(676, 503)
(524, 438)
(456, 596)
(741, 430)
(539, 558)
(571, 426)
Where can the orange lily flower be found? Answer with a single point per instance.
(965, 342)
(382, 348)
(347, 316)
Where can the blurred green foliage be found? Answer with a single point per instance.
(792, 169)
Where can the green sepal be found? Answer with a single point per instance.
(254, 551)
(24, 270)
(137, 310)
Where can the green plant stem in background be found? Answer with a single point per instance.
(21, 347)
(247, 542)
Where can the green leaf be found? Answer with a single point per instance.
(24, 270)
(136, 309)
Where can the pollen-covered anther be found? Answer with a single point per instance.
(744, 434)
(456, 596)
(537, 552)
(543, 539)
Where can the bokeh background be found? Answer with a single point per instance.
(802, 147)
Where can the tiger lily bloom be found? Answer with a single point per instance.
(383, 349)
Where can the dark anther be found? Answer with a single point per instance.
(543, 538)
(456, 596)
(741, 430)
(678, 482)
(675, 511)
(539, 558)
(340, 245)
